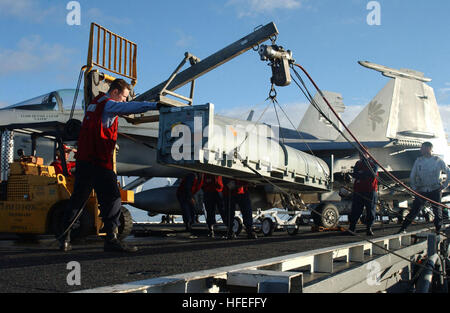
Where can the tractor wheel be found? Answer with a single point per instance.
(80, 229)
(126, 223)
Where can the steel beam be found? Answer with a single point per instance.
(283, 273)
(226, 54)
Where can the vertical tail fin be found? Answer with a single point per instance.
(315, 124)
(404, 110)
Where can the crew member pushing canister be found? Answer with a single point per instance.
(213, 200)
(189, 186)
(237, 193)
(94, 162)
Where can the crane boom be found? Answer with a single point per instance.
(202, 67)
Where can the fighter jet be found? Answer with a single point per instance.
(30, 115)
(384, 125)
(393, 125)
(402, 116)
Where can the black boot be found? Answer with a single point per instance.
(231, 235)
(113, 244)
(251, 234)
(64, 242)
(369, 231)
(350, 231)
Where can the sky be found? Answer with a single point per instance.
(41, 52)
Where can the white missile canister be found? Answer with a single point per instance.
(195, 139)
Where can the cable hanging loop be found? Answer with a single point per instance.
(272, 94)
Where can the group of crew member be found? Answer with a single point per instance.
(220, 195)
(94, 170)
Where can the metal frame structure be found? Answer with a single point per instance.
(125, 53)
(343, 268)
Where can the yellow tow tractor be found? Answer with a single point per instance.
(33, 198)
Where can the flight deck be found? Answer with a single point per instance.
(39, 267)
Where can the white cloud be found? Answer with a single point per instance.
(295, 112)
(28, 10)
(443, 94)
(350, 113)
(32, 54)
(444, 110)
(98, 15)
(255, 7)
(184, 40)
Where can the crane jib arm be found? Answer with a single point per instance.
(226, 54)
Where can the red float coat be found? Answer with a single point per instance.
(96, 143)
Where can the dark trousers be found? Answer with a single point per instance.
(213, 201)
(363, 200)
(245, 205)
(417, 205)
(188, 210)
(104, 182)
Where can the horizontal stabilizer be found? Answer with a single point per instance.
(393, 73)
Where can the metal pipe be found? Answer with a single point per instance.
(7, 153)
(136, 183)
(424, 283)
(433, 262)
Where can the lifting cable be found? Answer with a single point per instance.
(245, 163)
(307, 94)
(441, 273)
(361, 147)
(358, 146)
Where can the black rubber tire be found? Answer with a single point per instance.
(267, 226)
(293, 229)
(326, 216)
(86, 222)
(237, 225)
(126, 223)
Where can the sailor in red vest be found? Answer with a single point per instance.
(57, 164)
(94, 162)
(213, 199)
(364, 192)
(237, 192)
(189, 186)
